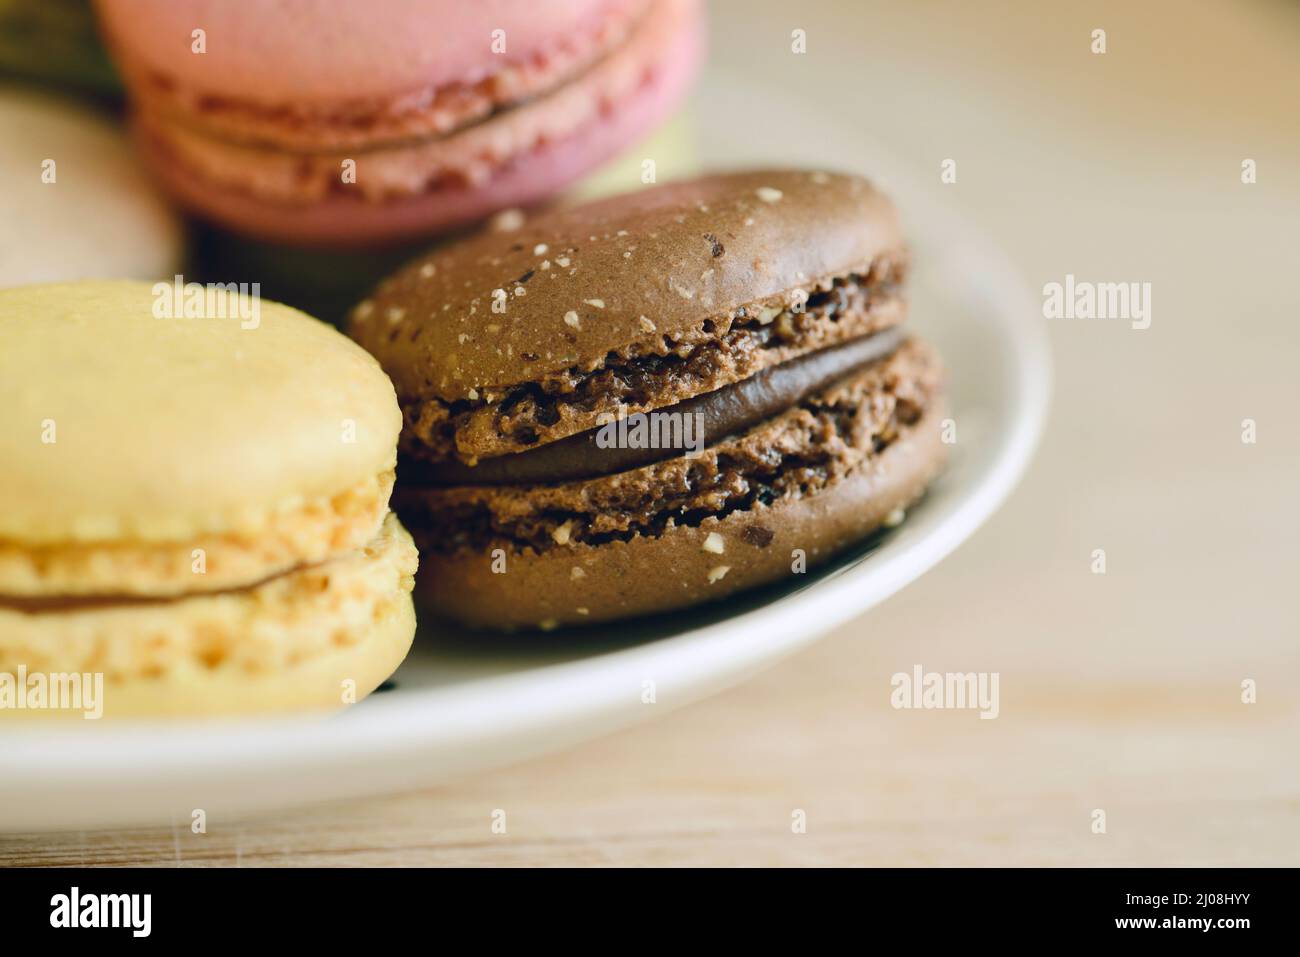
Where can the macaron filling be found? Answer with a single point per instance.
(42, 604)
(818, 441)
(689, 425)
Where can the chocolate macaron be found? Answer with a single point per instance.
(655, 400)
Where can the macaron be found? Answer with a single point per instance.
(77, 203)
(196, 490)
(55, 41)
(657, 399)
(324, 122)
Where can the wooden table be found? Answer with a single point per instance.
(1119, 691)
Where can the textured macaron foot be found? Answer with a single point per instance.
(316, 637)
(655, 400)
(434, 116)
(808, 482)
(308, 531)
(196, 504)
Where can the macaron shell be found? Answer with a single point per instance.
(317, 638)
(316, 685)
(676, 254)
(645, 575)
(98, 218)
(117, 425)
(515, 158)
(303, 127)
(291, 51)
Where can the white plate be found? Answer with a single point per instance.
(460, 705)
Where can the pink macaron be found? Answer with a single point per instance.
(332, 122)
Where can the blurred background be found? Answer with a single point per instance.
(1119, 691)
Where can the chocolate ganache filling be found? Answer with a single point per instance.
(648, 437)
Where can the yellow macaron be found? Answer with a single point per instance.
(196, 489)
